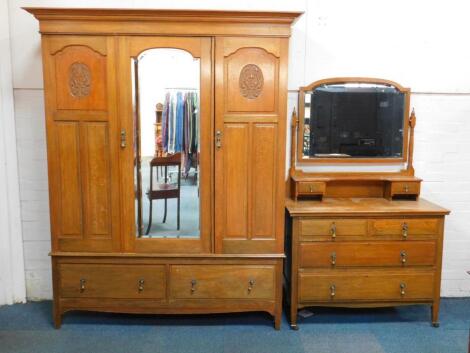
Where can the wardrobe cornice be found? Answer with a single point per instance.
(163, 22)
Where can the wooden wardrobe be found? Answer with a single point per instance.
(99, 264)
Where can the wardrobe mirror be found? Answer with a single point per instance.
(166, 143)
(353, 120)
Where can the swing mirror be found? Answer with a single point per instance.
(353, 120)
(166, 143)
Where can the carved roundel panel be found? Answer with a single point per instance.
(251, 81)
(79, 80)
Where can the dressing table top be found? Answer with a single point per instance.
(363, 206)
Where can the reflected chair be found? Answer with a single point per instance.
(165, 190)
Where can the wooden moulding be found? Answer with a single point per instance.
(164, 22)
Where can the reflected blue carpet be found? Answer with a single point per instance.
(27, 328)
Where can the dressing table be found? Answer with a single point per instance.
(358, 238)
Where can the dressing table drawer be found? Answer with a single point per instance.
(350, 286)
(405, 187)
(311, 188)
(408, 228)
(350, 254)
(112, 281)
(222, 282)
(331, 229)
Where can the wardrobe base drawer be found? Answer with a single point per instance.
(222, 282)
(366, 285)
(112, 281)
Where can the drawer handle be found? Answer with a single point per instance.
(403, 257)
(402, 289)
(333, 230)
(123, 138)
(332, 291)
(251, 283)
(405, 188)
(141, 284)
(82, 285)
(193, 286)
(404, 230)
(333, 258)
(311, 188)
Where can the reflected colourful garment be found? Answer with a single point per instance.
(180, 125)
(179, 122)
(166, 108)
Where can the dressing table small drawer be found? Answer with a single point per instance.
(311, 188)
(355, 254)
(332, 229)
(404, 188)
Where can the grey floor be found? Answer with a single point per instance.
(27, 328)
(189, 206)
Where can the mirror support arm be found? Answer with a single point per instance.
(295, 122)
(412, 123)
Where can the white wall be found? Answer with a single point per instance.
(421, 45)
(12, 283)
(160, 70)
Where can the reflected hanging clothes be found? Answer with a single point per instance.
(165, 114)
(179, 122)
(180, 125)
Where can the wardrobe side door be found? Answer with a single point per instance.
(82, 142)
(251, 92)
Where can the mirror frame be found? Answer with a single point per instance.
(198, 47)
(352, 160)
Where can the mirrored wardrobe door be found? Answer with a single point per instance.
(165, 108)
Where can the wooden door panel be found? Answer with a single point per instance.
(264, 146)
(96, 179)
(252, 79)
(83, 147)
(67, 134)
(81, 78)
(250, 90)
(236, 183)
